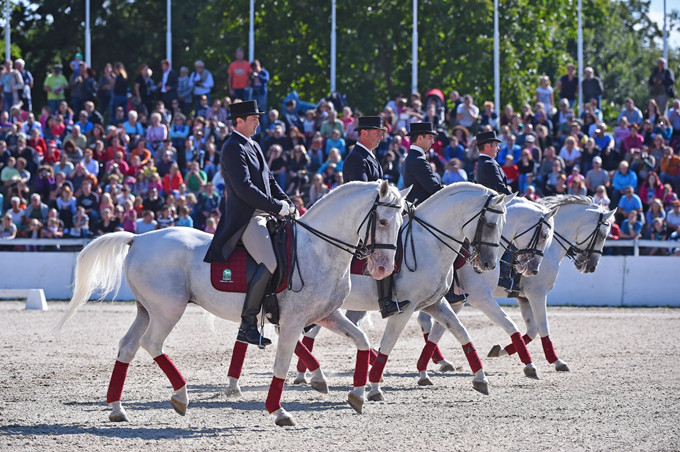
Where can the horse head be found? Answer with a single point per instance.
(382, 230)
(532, 241)
(590, 238)
(487, 230)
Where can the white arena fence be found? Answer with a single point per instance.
(632, 280)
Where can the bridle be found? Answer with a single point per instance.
(361, 251)
(532, 247)
(441, 235)
(574, 249)
(365, 247)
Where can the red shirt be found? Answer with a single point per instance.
(511, 172)
(240, 74)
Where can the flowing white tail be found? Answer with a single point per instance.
(99, 268)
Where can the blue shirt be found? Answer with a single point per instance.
(603, 141)
(633, 203)
(619, 182)
(625, 227)
(516, 153)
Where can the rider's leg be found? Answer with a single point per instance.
(386, 302)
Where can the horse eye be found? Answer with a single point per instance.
(490, 225)
(382, 222)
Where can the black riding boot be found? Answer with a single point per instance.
(452, 297)
(388, 306)
(506, 279)
(257, 289)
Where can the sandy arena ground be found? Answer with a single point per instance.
(622, 393)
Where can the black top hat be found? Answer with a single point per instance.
(243, 109)
(422, 128)
(370, 122)
(486, 137)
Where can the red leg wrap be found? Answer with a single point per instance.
(425, 356)
(118, 376)
(437, 355)
(426, 336)
(309, 343)
(171, 371)
(472, 357)
(521, 347)
(511, 348)
(526, 339)
(361, 368)
(273, 402)
(310, 362)
(548, 349)
(372, 355)
(377, 370)
(238, 356)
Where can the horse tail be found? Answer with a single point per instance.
(99, 268)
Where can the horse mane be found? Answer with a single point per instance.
(454, 189)
(563, 200)
(350, 187)
(525, 201)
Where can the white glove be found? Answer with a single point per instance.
(287, 210)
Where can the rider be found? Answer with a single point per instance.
(491, 175)
(419, 175)
(361, 165)
(252, 197)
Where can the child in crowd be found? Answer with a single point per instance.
(165, 220)
(184, 219)
(81, 224)
(210, 225)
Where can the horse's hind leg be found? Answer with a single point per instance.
(426, 326)
(127, 348)
(308, 342)
(159, 328)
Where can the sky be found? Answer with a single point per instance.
(656, 14)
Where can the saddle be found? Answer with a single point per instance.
(235, 274)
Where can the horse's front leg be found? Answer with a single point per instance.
(395, 325)
(288, 339)
(443, 314)
(308, 341)
(338, 323)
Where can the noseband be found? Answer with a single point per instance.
(575, 249)
(441, 235)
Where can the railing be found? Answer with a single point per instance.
(636, 244)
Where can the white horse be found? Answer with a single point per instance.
(529, 228)
(431, 243)
(581, 228)
(165, 271)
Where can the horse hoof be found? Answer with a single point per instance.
(285, 420)
(376, 397)
(180, 407)
(118, 416)
(425, 382)
(495, 352)
(233, 393)
(530, 372)
(446, 367)
(481, 386)
(356, 402)
(562, 367)
(320, 386)
(300, 381)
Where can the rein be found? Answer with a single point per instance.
(438, 234)
(575, 249)
(361, 251)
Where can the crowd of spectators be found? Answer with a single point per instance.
(138, 152)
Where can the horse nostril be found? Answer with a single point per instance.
(381, 268)
(592, 268)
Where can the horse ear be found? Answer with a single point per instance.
(509, 198)
(404, 193)
(500, 200)
(611, 213)
(552, 213)
(384, 188)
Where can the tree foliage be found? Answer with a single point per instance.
(373, 41)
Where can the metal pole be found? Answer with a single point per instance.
(665, 34)
(168, 36)
(496, 59)
(414, 50)
(251, 32)
(580, 60)
(88, 48)
(333, 46)
(8, 53)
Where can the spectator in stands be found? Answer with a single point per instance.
(641, 163)
(317, 189)
(203, 83)
(488, 116)
(570, 153)
(330, 124)
(674, 120)
(631, 228)
(156, 133)
(8, 230)
(567, 85)
(629, 202)
(632, 114)
(600, 197)
(259, 79)
(592, 86)
(670, 168)
(239, 77)
(336, 141)
(545, 95)
(661, 85)
(37, 209)
(107, 223)
(454, 172)
(623, 179)
(172, 180)
(596, 177)
(185, 90)
(577, 187)
(633, 141)
(673, 218)
(467, 114)
(654, 212)
(76, 137)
